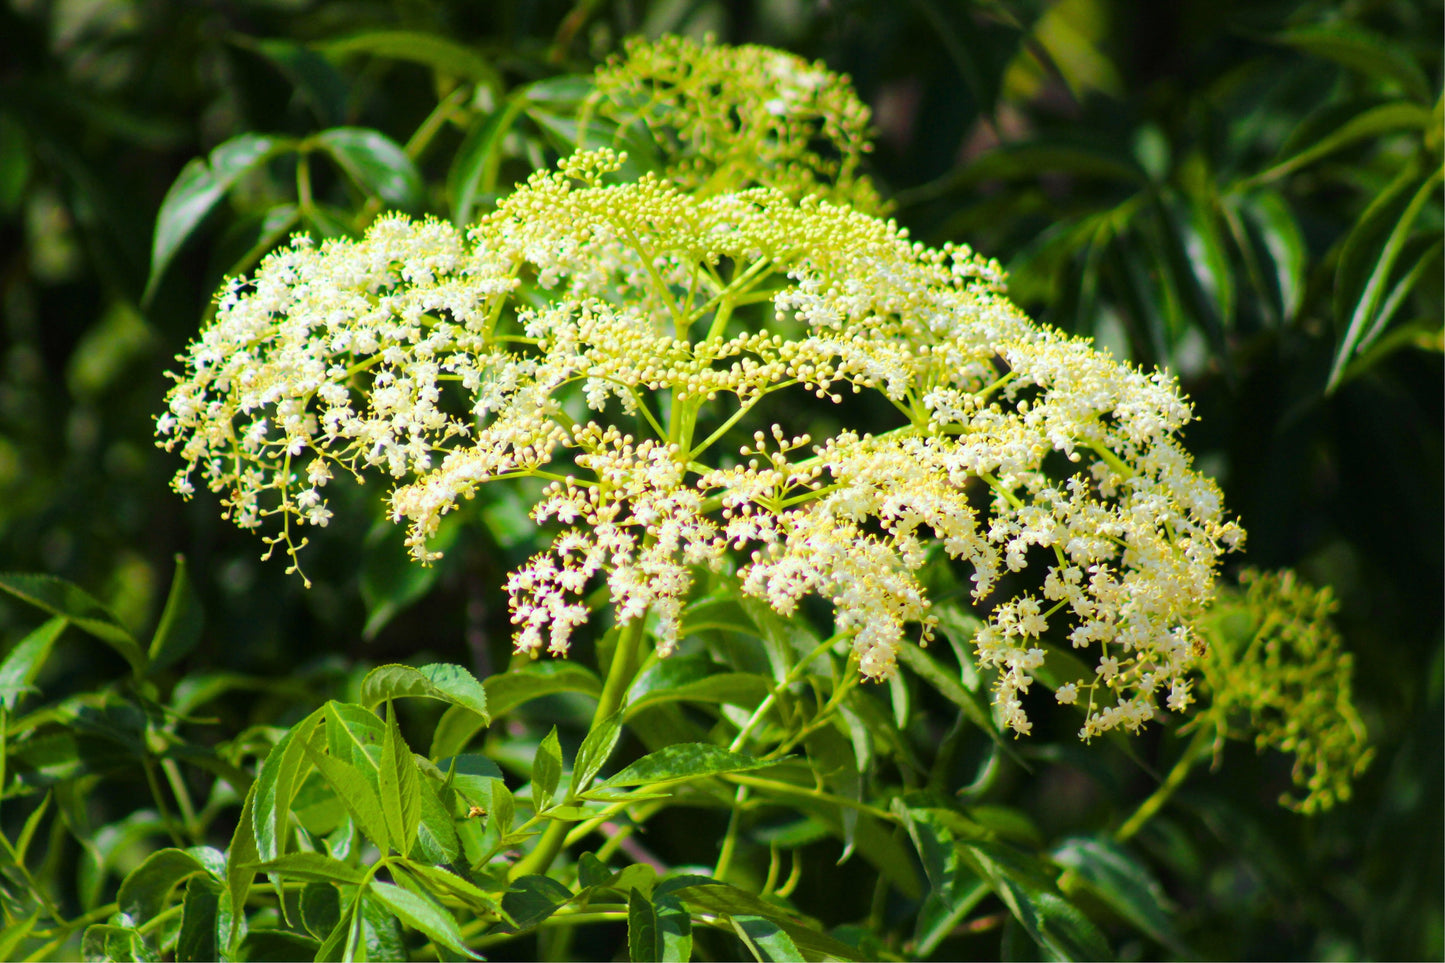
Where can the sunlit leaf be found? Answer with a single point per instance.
(195, 192)
(376, 163)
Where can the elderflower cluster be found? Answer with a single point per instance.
(1276, 668)
(734, 117)
(615, 341)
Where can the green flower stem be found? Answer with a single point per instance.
(777, 788)
(730, 838)
(619, 679)
(1192, 754)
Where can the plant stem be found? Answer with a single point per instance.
(1192, 754)
(619, 680)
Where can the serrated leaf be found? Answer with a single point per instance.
(531, 899)
(313, 868)
(180, 626)
(196, 190)
(1126, 884)
(546, 771)
(59, 597)
(688, 760)
(422, 914)
(239, 855)
(440, 680)
(320, 908)
(205, 921)
(693, 679)
(594, 751)
(443, 55)
(436, 837)
(376, 163)
(515, 687)
(400, 794)
(146, 889)
(357, 792)
(382, 937)
(643, 940)
(24, 662)
(674, 929)
(116, 943)
(445, 881)
(276, 785)
(766, 939)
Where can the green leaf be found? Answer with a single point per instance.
(688, 760)
(239, 856)
(436, 837)
(400, 794)
(196, 190)
(710, 896)
(277, 946)
(145, 890)
(531, 899)
(18, 931)
(24, 662)
(444, 881)
(424, 915)
(205, 921)
(594, 751)
(1371, 55)
(180, 626)
(457, 727)
(116, 943)
(694, 678)
(59, 597)
(320, 908)
(382, 937)
(674, 929)
(276, 785)
(546, 771)
(441, 681)
(318, 84)
(644, 942)
(1370, 123)
(1360, 258)
(357, 792)
(1025, 887)
(954, 890)
(766, 939)
(313, 868)
(443, 55)
(1272, 219)
(1126, 884)
(974, 705)
(376, 163)
(537, 679)
(473, 173)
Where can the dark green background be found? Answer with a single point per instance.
(1147, 116)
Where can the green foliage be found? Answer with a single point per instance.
(1251, 197)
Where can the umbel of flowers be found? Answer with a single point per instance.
(617, 340)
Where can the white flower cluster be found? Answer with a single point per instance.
(616, 339)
